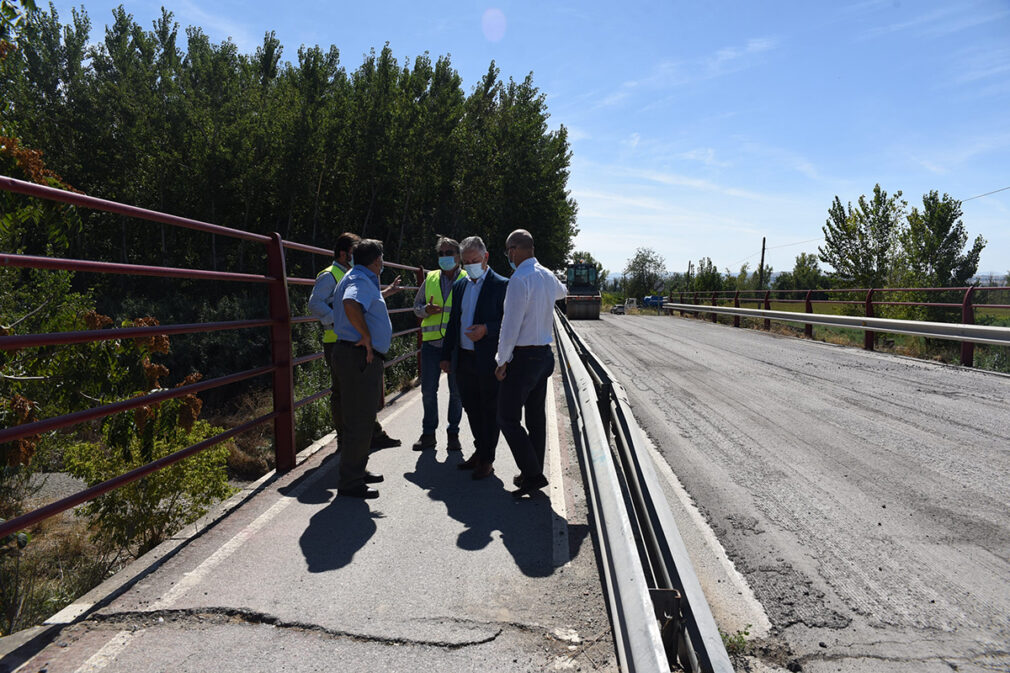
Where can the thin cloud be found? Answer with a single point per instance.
(194, 15)
(669, 74)
(705, 155)
(939, 22)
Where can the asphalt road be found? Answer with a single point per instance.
(440, 573)
(864, 497)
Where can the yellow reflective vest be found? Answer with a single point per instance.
(329, 336)
(433, 326)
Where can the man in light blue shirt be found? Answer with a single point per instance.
(364, 333)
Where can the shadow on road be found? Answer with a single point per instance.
(485, 506)
(336, 532)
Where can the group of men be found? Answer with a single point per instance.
(489, 334)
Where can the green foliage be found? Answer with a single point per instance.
(707, 277)
(645, 268)
(860, 242)
(806, 275)
(932, 245)
(139, 516)
(736, 643)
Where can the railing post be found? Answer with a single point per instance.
(768, 307)
(420, 337)
(968, 318)
(282, 357)
(736, 304)
(868, 336)
(715, 316)
(808, 307)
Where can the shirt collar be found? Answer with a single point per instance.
(362, 270)
(340, 266)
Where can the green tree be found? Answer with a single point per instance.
(933, 244)
(707, 277)
(805, 275)
(860, 242)
(643, 271)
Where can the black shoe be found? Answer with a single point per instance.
(453, 443)
(530, 487)
(482, 471)
(517, 481)
(469, 463)
(362, 491)
(425, 442)
(372, 478)
(384, 441)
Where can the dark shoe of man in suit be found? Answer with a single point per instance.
(427, 441)
(517, 481)
(363, 491)
(453, 443)
(468, 464)
(384, 441)
(530, 487)
(372, 478)
(483, 470)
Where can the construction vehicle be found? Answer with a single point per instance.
(583, 300)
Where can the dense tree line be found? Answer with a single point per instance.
(390, 150)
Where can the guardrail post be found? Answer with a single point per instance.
(968, 318)
(868, 336)
(808, 307)
(281, 355)
(420, 337)
(736, 304)
(768, 307)
(715, 316)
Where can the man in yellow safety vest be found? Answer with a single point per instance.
(321, 306)
(432, 304)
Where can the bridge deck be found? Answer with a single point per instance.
(440, 573)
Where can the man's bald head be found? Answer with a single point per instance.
(521, 239)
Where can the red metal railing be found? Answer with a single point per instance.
(280, 321)
(865, 298)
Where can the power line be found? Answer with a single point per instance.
(986, 194)
(774, 247)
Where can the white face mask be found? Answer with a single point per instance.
(474, 271)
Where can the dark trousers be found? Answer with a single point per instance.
(336, 414)
(479, 390)
(525, 390)
(360, 396)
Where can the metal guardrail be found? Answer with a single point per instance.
(980, 334)
(279, 322)
(658, 609)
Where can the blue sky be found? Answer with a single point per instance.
(697, 128)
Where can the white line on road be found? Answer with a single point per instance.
(108, 652)
(559, 511)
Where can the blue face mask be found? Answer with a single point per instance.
(474, 271)
(447, 263)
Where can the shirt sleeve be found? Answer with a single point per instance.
(322, 295)
(515, 308)
(420, 301)
(561, 291)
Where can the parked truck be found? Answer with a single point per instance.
(583, 300)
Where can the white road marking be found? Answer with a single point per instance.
(559, 511)
(118, 643)
(108, 652)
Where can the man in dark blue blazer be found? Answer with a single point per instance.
(471, 341)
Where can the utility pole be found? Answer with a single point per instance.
(761, 266)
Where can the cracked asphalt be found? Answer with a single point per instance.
(864, 497)
(440, 573)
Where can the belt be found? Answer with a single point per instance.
(354, 344)
(523, 348)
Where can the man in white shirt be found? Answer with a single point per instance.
(525, 360)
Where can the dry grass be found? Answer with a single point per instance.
(251, 453)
